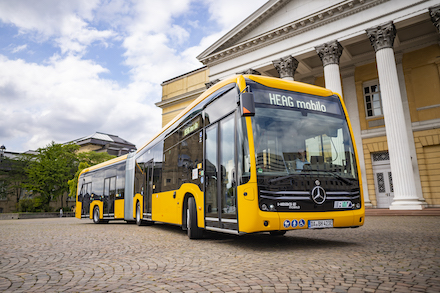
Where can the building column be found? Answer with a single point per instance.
(286, 67)
(330, 53)
(407, 114)
(405, 195)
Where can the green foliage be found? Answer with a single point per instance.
(50, 170)
(33, 205)
(12, 175)
(26, 205)
(93, 158)
(86, 160)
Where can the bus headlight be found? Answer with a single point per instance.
(272, 208)
(264, 207)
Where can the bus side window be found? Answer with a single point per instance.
(221, 106)
(157, 170)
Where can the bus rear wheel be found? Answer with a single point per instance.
(96, 215)
(194, 232)
(139, 221)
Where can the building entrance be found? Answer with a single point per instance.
(383, 179)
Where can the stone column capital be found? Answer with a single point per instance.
(329, 52)
(382, 36)
(286, 66)
(435, 16)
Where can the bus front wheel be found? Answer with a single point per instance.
(194, 232)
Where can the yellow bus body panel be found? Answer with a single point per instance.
(98, 203)
(136, 198)
(167, 206)
(164, 207)
(78, 208)
(119, 208)
(250, 217)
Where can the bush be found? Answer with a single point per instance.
(33, 205)
(26, 205)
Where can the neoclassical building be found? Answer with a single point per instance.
(381, 56)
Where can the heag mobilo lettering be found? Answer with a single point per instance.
(288, 101)
(317, 106)
(281, 100)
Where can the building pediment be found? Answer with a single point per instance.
(247, 36)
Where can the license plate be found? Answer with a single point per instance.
(320, 224)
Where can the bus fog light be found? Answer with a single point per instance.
(266, 223)
(272, 207)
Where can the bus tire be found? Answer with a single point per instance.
(139, 221)
(96, 215)
(277, 233)
(194, 232)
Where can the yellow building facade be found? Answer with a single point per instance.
(179, 92)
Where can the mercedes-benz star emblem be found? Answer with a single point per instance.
(318, 195)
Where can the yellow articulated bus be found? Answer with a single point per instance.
(251, 154)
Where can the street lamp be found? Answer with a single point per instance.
(2, 151)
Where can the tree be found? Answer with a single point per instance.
(86, 159)
(50, 170)
(12, 176)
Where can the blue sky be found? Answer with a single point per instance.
(71, 68)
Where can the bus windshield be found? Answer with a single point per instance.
(294, 140)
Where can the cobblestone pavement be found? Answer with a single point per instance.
(399, 254)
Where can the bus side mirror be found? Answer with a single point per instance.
(247, 104)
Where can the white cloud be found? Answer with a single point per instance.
(67, 99)
(229, 13)
(65, 22)
(18, 48)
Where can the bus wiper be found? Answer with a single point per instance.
(336, 175)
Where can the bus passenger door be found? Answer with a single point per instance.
(149, 188)
(84, 198)
(109, 196)
(220, 182)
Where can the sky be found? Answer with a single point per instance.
(70, 68)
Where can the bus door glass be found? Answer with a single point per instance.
(112, 197)
(149, 187)
(220, 186)
(109, 195)
(85, 197)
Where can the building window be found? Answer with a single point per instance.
(372, 98)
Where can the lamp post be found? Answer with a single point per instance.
(2, 151)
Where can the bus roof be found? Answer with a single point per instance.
(104, 164)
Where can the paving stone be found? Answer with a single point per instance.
(388, 254)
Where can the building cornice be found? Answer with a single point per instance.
(180, 98)
(312, 21)
(184, 75)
